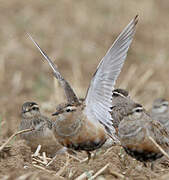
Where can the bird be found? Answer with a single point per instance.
(86, 125)
(135, 130)
(120, 104)
(160, 112)
(42, 133)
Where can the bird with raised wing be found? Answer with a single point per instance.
(86, 125)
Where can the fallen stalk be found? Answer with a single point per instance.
(15, 134)
(159, 147)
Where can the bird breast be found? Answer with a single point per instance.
(80, 133)
(68, 125)
(129, 129)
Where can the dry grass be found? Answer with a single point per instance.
(76, 34)
(11, 137)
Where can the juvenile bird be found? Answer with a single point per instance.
(86, 125)
(134, 132)
(42, 133)
(160, 112)
(121, 103)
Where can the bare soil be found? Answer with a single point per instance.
(19, 163)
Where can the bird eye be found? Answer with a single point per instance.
(115, 94)
(137, 110)
(35, 108)
(67, 110)
(70, 109)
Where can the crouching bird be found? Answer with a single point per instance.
(86, 125)
(160, 112)
(136, 131)
(42, 133)
(120, 106)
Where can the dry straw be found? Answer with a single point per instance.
(15, 134)
(159, 147)
(99, 172)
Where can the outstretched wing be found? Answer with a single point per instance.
(70, 95)
(99, 96)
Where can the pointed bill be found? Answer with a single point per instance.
(99, 96)
(70, 95)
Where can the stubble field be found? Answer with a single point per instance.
(76, 35)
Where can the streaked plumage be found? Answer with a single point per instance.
(134, 131)
(42, 133)
(121, 103)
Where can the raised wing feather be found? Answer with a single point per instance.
(99, 96)
(70, 95)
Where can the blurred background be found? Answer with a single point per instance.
(76, 34)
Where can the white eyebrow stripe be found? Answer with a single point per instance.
(137, 108)
(114, 92)
(35, 105)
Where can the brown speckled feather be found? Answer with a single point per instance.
(134, 132)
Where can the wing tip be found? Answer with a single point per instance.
(136, 19)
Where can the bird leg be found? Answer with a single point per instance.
(145, 164)
(152, 166)
(89, 156)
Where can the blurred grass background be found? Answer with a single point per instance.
(76, 34)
